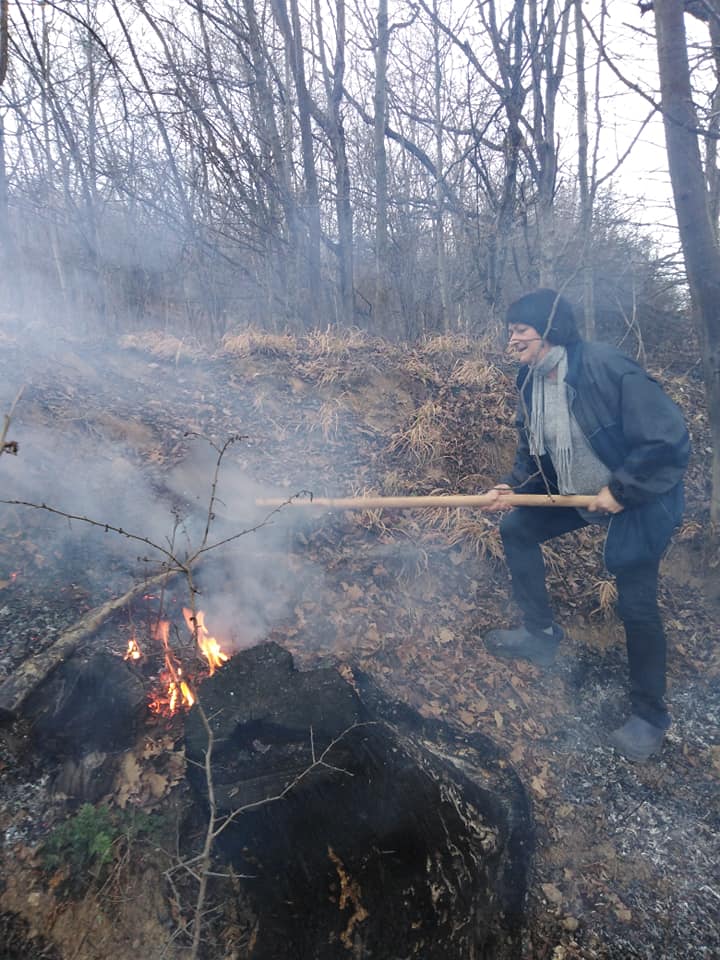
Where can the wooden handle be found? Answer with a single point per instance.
(440, 500)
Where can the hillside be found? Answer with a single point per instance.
(626, 856)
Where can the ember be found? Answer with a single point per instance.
(133, 651)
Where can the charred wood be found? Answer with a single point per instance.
(363, 829)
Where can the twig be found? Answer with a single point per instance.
(9, 446)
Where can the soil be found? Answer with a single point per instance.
(626, 859)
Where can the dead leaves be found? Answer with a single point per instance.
(539, 784)
(148, 773)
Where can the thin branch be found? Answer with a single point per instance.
(636, 88)
(9, 446)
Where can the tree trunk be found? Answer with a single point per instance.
(702, 259)
(712, 173)
(291, 30)
(586, 198)
(382, 246)
(440, 251)
(4, 215)
(279, 275)
(335, 129)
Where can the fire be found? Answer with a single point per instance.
(177, 692)
(209, 647)
(133, 651)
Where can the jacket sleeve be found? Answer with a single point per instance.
(656, 439)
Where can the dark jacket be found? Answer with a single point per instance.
(636, 430)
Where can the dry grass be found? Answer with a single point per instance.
(159, 344)
(262, 397)
(394, 484)
(447, 343)
(326, 418)
(553, 560)
(252, 342)
(477, 536)
(330, 369)
(414, 367)
(482, 374)
(373, 520)
(423, 439)
(326, 373)
(335, 343)
(606, 597)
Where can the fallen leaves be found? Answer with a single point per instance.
(538, 787)
(147, 774)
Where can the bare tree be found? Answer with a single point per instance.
(586, 205)
(332, 121)
(697, 235)
(291, 29)
(382, 45)
(5, 232)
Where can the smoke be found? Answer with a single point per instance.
(244, 578)
(103, 436)
(248, 576)
(85, 479)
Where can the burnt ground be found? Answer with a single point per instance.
(626, 863)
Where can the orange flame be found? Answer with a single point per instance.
(209, 647)
(177, 692)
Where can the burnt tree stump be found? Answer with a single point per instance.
(359, 828)
(89, 708)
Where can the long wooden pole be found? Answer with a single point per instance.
(433, 501)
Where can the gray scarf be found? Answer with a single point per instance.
(562, 457)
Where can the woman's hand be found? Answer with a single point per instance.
(499, 494)
(605, 502)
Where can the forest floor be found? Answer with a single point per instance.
(627, 856)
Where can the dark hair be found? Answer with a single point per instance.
(548, 312)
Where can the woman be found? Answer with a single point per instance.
(591, 421)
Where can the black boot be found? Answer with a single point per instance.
(538, 647)
(637, 740)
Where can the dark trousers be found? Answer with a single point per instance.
(523, 529)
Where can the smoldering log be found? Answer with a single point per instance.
(365, 830)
